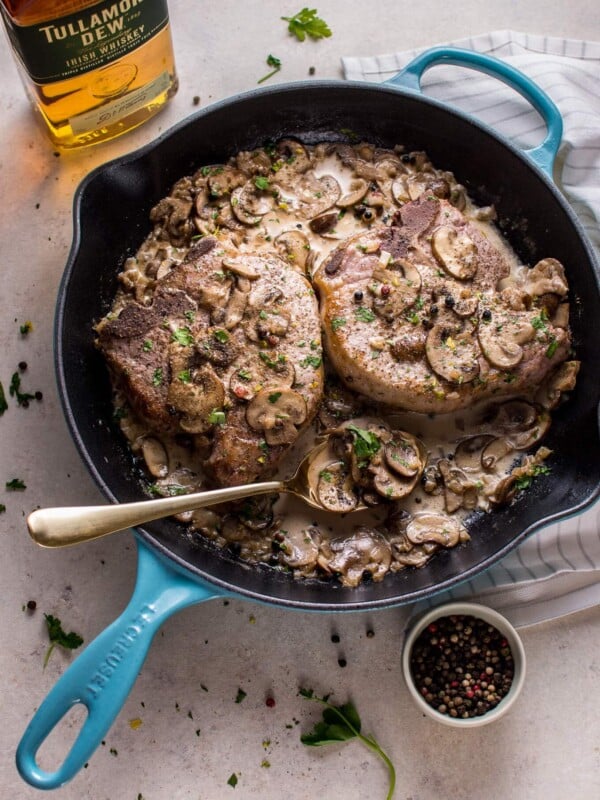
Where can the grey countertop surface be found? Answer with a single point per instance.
(181, 734)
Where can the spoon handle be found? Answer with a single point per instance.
(58, 527)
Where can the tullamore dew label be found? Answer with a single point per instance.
(87, 40)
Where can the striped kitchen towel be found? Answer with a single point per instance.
(556, 571)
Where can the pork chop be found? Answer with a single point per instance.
(228, 349)
(416, 316)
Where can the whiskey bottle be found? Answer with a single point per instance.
(93, 70)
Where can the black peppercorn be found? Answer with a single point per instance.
(358, 296)
(486, 315)
(451, 665)
(449, 301)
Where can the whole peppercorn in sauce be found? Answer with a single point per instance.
(462, 666)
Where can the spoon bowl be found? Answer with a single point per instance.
(62, 526)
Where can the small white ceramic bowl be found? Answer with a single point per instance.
(501, 624)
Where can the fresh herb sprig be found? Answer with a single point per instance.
(366, 444)
(340, 724)
(307, 23)
(57, 636)
(272, 61)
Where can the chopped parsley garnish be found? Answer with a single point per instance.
(14, 390)
(57, 636)
(307, 23)
(26, 328)
(232, 780)
(272, 61)
(261, 183)
(190, 315)
(15, 485)
(366, 444)
(552, 347)
(525, 481)
(337, 323)
(240, 696)
(147, 346)
(272, 363)
(364, 314)
(221, 336)
(326, 475)
(311, 361)
(274, 397)
(340, 724)
(168, 489)
(244, 375)
(157, 377)
(217, 417)
(185, 376)
(183, 336)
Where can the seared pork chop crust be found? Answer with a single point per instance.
(416, 315)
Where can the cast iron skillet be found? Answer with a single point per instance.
(111, 219)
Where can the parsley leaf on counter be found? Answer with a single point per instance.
(14, 390)
(232, 780)
(340, 724)
(3, 403)
(240, 696)
(307, 23)
(272, 61)
(15, 485)
(57, 636)
(26, 328)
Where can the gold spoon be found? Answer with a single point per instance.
(58, 527)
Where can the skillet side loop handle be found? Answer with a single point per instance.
(545, 153)
(103, 675)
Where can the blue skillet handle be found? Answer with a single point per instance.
(103, 675)
(544, 154)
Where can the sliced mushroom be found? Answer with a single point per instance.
(562, 380)
(513, 416)
(455, 251)
(459, 490)
(317, 195)
(523, 440)
(244, 216)
(335, 488)
(294, 247)
(277, 412)
(493, 453)
(431, 527)
(388, 483)
(254, 200)
(193, 393)
(246, 266)
(300, 548)
(466, 306)
(501, 339)
(155, 456)
(395, 288)
(546, 277)
(253, 162)
(453, 353)
(223, 180)
(268, 322)
(234, 311)
(324, 223)
(356, 191)
(294, 155)
(469, 452)
(403, 455)
(365, 550)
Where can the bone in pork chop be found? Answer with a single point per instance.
(415, 316)
(216, 355)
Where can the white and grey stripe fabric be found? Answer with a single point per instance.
(557, 570)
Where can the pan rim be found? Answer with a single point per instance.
(191, 569)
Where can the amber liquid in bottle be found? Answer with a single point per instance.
(109, 65)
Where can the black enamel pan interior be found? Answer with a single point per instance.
(112, 218)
